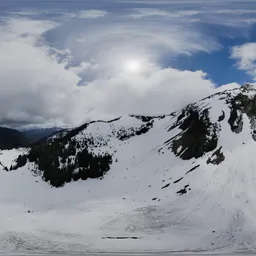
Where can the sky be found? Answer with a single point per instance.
(63, 62)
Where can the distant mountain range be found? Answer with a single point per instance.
(12, 138)
(37, 134)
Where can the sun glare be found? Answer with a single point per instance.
(132, 66)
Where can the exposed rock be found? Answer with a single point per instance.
(216, 158)
(124, 134)
(192, 169)
(176, 181)
(167, 185)
(221, 117)
(198, 135)
(183, 191)
(239, 105)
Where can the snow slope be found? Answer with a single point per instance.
(168, 194)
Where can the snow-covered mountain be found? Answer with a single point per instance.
(179, 182)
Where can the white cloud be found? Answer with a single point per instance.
(39, 87)
(89, 14)
(185, 13)
(147, 12)
(212, 12)
(161, 91)
(24, 27)
(24, 13)
(236, 11)
(79, 40)
(246, 58)
(140, 13)
(83, 67)
(117, 36)
(34, 86)
(241, 22)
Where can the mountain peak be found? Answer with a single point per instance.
(198, 128)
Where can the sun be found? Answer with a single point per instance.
(132, 66)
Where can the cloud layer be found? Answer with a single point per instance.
(69, 69)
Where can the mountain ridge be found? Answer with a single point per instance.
(179, 182)
(197, 134)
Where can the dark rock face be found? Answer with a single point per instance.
(216, 158)
(183, 191)
(221, 117)
(125, 134)
(176, 181)
(143, 118)
(192, 169)
(198, 135)
(239, 105)
(166, 186)
(146, 119)
(236, 119)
